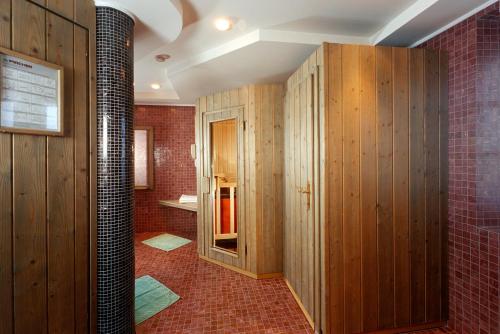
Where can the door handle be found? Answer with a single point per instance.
(307, 191)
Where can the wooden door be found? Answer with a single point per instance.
(232, 163)
(300, 227)
(47, 218)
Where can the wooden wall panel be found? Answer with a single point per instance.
(385, 232)
(334, 201)
(385, 135)
(46, 276)
(368, 184)
(304, 100)
(401, 190)
(351, 189)
(29, 184)
(81, 170)
(6, 268)
(417, 187)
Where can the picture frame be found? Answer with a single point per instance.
(31, 95)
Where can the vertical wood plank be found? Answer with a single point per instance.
(368, 175)
(278, 175)
(302, 184)
(252, 142)
(267, 251)
(443, 178)
(30, 280)
(351, 188)
(335, 186)
(401, 182)
(417, 187)
(324, 232)
(310, 228)
(61, 188)
(432, 217)
(217, 101)
(385, 237)
(6, 302)
(5, 23)
(298, 203)
(81, 148)
(65, 8)
(29, 186)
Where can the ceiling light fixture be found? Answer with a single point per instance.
(155, 86)
(162, 57)
(223, 24)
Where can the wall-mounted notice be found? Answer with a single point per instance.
(31, 95)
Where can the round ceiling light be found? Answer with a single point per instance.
(155, 86)
(162, 57)
(223, 24)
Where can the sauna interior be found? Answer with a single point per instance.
(221, 166)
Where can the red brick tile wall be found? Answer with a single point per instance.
(474, 176)
(175, 172)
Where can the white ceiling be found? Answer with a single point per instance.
(269, 39)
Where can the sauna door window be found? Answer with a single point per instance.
(224, 180)
(143, 158)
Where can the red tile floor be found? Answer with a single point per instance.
(215, 299)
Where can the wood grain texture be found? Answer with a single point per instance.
(351, 189)
(44, 178)
(385, 232)
(65, 8)
(386, 188)
(335, 188)
(6, 268)
(6, 288)
(417, 187)
(259, 163)
(81, 170)
(432, 217)
(401, 182)
(29, 184)
(368, 184)
(60, 188)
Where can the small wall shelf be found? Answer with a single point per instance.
(175, 204)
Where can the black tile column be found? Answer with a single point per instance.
(115, 178)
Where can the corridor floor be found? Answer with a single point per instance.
(216, 300)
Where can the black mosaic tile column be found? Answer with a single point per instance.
(115, 182)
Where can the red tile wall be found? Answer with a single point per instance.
(175, 172)
(474, 176)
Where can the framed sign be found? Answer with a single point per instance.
(31, 97)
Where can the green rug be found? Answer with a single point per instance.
(151, 297)
(166, 242)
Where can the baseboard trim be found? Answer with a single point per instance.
(241, 271)
(302, 308)
(412, 328)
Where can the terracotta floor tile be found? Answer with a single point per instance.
(215, 300)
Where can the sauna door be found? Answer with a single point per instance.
(300, 228)
(223, 171)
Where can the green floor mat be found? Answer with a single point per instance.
(166, 242)
(151, 297)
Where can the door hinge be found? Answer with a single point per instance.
(244, 125)
(246, 250)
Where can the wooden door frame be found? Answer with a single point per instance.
(207, 118)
